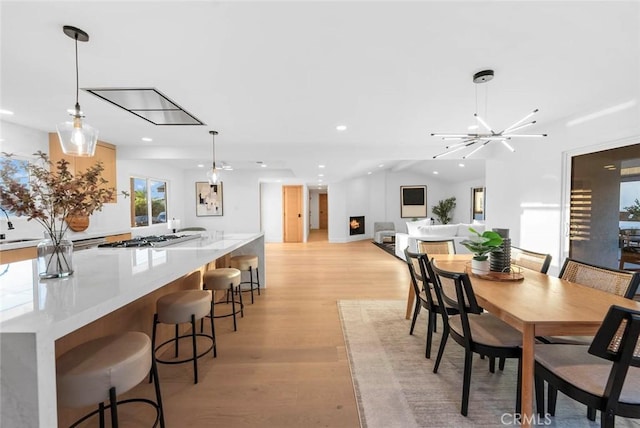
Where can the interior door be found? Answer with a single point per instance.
(292, 213)
(323, 208)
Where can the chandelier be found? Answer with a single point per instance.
(214, 173)
(478, 140)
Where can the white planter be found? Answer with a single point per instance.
(480, 267)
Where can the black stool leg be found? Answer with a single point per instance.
(233, 306)
(241, 304)
(213, 333)
(114, 407)
(251, 282)
(195, 351)
(258, 279)
(101, 412)
(154, 373)
(153, 343)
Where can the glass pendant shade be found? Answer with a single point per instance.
(77, 138)
(213, 175)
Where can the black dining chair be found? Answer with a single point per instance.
(422, 284)
(475, 330)
(604, 376)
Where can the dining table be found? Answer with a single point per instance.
(537, 304)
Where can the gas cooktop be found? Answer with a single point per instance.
(149, 241)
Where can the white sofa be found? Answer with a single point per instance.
(423, 230)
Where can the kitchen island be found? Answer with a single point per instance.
(35, 313)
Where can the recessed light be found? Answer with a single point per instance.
(147, 139)
(369, 173)
(381, 165)
(9, 113)
(264, 165)
(200, 165)
(320, 180)
(341, 128)
(320, 166)
(461, 165)
(320, 175)
(473, 127)
(436, 172)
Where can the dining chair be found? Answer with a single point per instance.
(604, 376)
(620, 282)
(445, 246)
(475, 330)
(538, 262)
(422, 284)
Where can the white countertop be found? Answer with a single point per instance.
(14, 244)
(104, 280)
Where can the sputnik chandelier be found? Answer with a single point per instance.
(481, 139)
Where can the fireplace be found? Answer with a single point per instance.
(356, 225)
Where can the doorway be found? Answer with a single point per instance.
(323, 212)
(603, 185)
(292, 221)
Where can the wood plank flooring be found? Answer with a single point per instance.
(286, 366)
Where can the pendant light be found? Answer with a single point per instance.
(462, 141)
(77, 138)
(214, 173)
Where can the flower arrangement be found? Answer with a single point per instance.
(483, 244)
(51, 195)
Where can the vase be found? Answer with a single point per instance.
(480, 267)
(55, 256)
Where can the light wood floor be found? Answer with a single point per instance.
(286, 366)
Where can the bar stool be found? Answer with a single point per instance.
(97, 371)
(247, 263)
(224, 279)
(181, 307)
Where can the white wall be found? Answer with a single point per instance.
(462, 192)
(271, 208)
(314, 209)
(525, 188)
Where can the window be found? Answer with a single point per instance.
(19, 170)
(149, 202)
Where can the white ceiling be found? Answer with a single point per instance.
(275, 78)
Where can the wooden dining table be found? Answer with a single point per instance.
(538, 305)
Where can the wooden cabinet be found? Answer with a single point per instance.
(18, 254)
(105, 152)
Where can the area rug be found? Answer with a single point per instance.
(395, 385)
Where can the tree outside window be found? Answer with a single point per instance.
(149, 202)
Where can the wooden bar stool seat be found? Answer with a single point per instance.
(227, 280)
(180, 307)
(97, 371)
(247, 263)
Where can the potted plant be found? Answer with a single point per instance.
(52, 195)
(481, 245)
(444, 209)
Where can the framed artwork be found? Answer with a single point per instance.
(413, 201)
(208, 199)
(477, 203)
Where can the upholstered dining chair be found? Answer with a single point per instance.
(604, 376)
(426, 298)
(620, 282)
(476, 331)
(530, 260)
(445, 246)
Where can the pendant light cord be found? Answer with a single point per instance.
(77, 75)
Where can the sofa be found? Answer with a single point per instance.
(423, 230)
